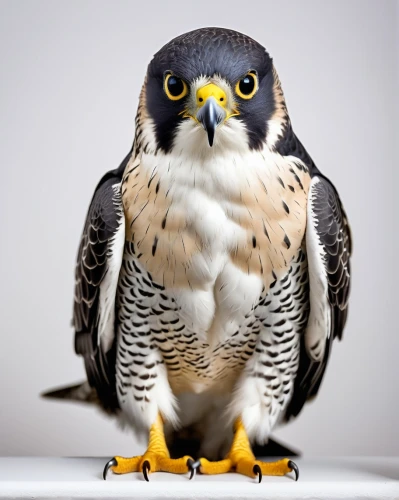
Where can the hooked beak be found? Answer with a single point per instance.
(212, 108)
(210, 116)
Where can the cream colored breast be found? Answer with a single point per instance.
(189, 219)
(274, 219)
(164, 241)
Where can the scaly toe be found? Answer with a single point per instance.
(175, 465)
(279, 468)
(220, 467)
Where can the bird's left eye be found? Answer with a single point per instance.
(175, 88)
(246, 87)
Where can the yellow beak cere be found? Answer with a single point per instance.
(211, 90)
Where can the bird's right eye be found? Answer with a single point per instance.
(175, 88)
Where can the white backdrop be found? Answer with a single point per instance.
(71, 73)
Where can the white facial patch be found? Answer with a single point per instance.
(205, 80)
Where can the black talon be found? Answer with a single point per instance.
(193, 466)
(146, 469)
(108, 465)
(292, 465)
(258, 471)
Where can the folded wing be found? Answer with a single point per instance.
(96, 278)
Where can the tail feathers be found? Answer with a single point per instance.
(81, 393)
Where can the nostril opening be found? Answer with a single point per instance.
(222, 98)
(200, 99)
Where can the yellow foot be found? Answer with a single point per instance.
(255, 468)
(241, 459)
(155, 459)
(149, 462)
(248, 466)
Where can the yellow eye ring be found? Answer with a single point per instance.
(175, 88)
(247, 87)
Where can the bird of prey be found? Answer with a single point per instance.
(213, 271)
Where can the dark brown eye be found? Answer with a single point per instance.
(175, 88)
(247, 86)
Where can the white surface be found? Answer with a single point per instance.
(327, 478)
(71, 72)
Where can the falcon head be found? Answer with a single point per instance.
(211, 88)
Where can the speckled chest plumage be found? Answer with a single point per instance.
(213, 281)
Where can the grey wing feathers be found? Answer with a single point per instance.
(97, 248)
(329, 245)
(334, 234)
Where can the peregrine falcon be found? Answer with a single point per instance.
(213, 271)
